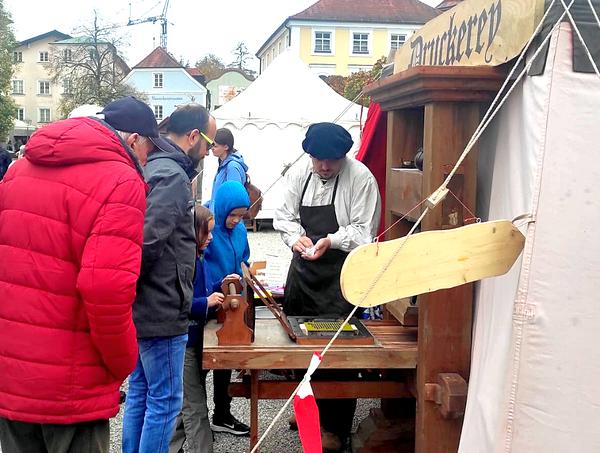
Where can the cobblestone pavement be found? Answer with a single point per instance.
(281, 439)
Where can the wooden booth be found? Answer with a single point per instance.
(436, 108)
(422, 351)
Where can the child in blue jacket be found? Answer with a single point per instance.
(224, 255)
(193, 423)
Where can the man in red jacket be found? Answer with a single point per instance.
(71, 221)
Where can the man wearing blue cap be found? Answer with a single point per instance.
(331, 206)
(70, 260)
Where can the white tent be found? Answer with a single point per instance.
(85, 110)
(21, 128)
(269, 120)
(535, 359)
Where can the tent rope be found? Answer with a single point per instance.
(594, 12)
(576, 28)
(290, 165)
(480, 129)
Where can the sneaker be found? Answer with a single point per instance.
(231, 425)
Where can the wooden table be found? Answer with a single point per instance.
(395, 348)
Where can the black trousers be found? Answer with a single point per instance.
(221, 398)
(21, 437)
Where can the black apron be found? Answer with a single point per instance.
(313, 287)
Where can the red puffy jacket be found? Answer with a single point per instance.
(71, 223)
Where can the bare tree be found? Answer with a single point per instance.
(89, 67)
(241, 54)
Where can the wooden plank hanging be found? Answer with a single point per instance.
(429, 261)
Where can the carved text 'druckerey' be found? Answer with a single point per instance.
(475, 34)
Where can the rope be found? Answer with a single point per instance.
(482, 126)
(594, 12)
(288, 166)
(576, 28)
(490, 113)
(466, 219)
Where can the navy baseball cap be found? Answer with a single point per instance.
(129, 114)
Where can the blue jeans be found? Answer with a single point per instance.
(155, 395)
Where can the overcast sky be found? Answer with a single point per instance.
(195, 29)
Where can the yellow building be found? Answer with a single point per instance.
(344, 36)
(37, 98)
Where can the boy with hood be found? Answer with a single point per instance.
(228, 249)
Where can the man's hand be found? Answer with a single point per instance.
(302, 244)
(215, 299)
(320, 248)
(233, 276)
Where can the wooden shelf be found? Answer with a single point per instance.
(425, 84)
(405, 189)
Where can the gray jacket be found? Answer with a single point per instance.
(165, 287)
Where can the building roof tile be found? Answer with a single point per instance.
(159, 58)
(52, 33)
(381, 11)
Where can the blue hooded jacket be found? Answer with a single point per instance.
(229, 247)
(233, 168)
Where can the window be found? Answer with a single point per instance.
(322, 42)
(17, 57)
(396, 41)
(44, 57)
(17, 87)
(360, 43)
(20, 114)
(280, 47)
(44, 87)
(67, 86)
(67, 55)
(158, 80)
(44, 116)
(158, 112)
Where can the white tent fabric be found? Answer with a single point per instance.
(22, 128)
(269, 120)
(85, 110)
(535, 358)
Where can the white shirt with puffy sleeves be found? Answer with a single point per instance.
(357, 204)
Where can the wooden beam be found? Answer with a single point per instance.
(404, 312)
(272, 390)
(445, 317)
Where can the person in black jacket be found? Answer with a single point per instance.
(5, 161)
(165, 287)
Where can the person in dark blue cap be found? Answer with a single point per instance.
(165, 286)
(135, 123)
(331, 206)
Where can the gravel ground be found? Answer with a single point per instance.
(281, 439)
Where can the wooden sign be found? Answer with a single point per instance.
(473, 33)
(429, 261)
